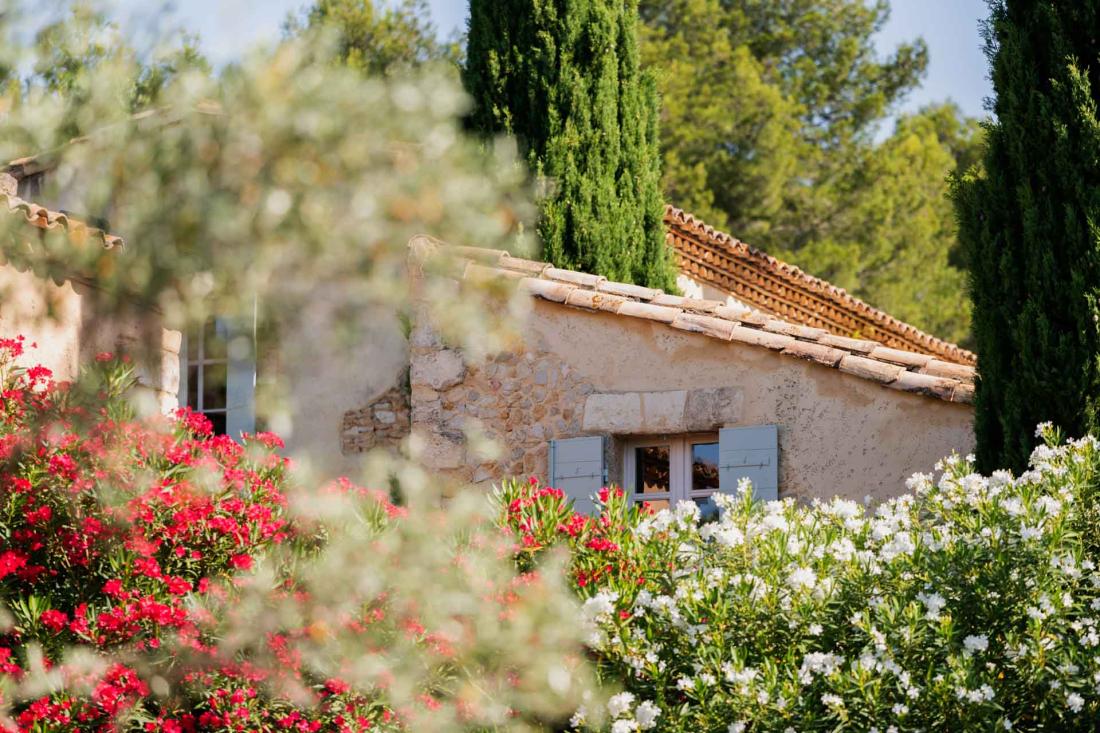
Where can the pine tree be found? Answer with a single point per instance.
(563, 76)
(1031, 229)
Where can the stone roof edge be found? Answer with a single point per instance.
(816, 285)
(893, 368)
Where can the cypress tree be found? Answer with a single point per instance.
(1030, 227)
(563, 76)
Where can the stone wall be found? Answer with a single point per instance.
(384, 423)
(519, 400)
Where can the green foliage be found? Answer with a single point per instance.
(894, 245)
(69, 48)
(289, 187)
(374, 37)
(807, 68)
(564, 78)
(970, 604)
(768, 130)
(1031, 229)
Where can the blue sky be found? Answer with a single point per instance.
(950, 27)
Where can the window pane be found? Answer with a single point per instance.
(213, 341)
(707, 509)
(657, 504)
(192, 346)
(704, 467)
(213, 386)
(218, 418)
(651, 470)
(192, 386)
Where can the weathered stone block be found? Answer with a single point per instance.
(662, 412)
(441, 451)
(613, 413)
(422, 393)
(709, 409)
(439, 370)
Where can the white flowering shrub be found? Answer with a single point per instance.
(972, 603)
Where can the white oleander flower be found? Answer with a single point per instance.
(646, 715)
(933, 604)
(801, 577)
(976, 643)
(620, 704)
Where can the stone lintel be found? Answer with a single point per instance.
(672, 411)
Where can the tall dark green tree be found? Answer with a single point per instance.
(563, 76)
(1031, 229)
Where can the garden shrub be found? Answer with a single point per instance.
(972, 603)
(155, 577)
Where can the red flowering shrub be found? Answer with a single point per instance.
(111, 530)
(156, 577)
(604, 546)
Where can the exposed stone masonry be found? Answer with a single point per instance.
(520, 400)
(382, 423)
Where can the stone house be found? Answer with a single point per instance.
(674, 396)
(758, 371)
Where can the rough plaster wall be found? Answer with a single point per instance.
(62, 321)
(838, 434)
(331, 366)
(48, 314)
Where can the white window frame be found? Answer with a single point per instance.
(679, 458)
(240, 364)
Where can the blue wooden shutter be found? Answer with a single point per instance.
(751, 453)
(577, 468)
(240, 388)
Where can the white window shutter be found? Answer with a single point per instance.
(240, 378)
(577, 468)
(751, 453)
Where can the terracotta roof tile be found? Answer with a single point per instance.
(652, 312)
(925, 384)
(820, 353)
(944, 369)
(861, 366)
(45, 219)
(759, 337)
(900, 369)
(716, 327)
(863, 346)
(897, 356)
(773, 286)
(627, 290)
(595, 300)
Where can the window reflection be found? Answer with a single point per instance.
(704, 467)
(653, 470)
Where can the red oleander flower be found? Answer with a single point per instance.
(54, 620)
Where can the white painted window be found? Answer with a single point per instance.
(664, 470)
(219, 377)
